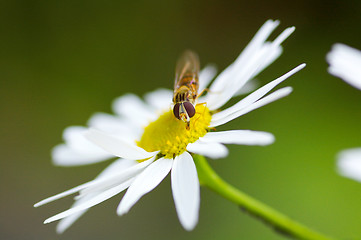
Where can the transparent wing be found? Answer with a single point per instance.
(187, 68)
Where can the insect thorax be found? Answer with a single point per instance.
(183, 94)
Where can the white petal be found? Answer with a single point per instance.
(283, 36)
(206, 76)
(258, 40)
(115, 125)
(216, 98)
(101, 197)
(248, 87)
(255, 96)
(243, 137)
(254, 45)
(65, 223)
(116, 166)
(63, 194)
(345, 63)
(114, 178)
(144, 183)
(74, 137)
(133, 108)
(160, 99)
(65, 156)
(116, 146)
(212, 150)
(247, 65)
(124, 168)
(185, 188)
(275, 49)
(349, 163)
(104, 181)
(264, 101)
(269, 58)
(241, 74)
(105, 121)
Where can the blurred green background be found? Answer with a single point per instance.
(61, 61)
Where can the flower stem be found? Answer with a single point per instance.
(281, 223)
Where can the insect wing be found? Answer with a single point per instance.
(187, 68)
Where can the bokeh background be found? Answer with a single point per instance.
(61, 61)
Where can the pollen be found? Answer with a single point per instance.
(169, 135)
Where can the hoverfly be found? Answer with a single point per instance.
(186, 86)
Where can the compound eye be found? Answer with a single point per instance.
(189, 108)
(176, 110)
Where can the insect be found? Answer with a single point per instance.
(186, 86)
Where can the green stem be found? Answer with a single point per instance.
(209, 178)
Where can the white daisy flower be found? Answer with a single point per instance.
(345, 63)
(150, 142)
(349, 163)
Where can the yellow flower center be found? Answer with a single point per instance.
(169, 135)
